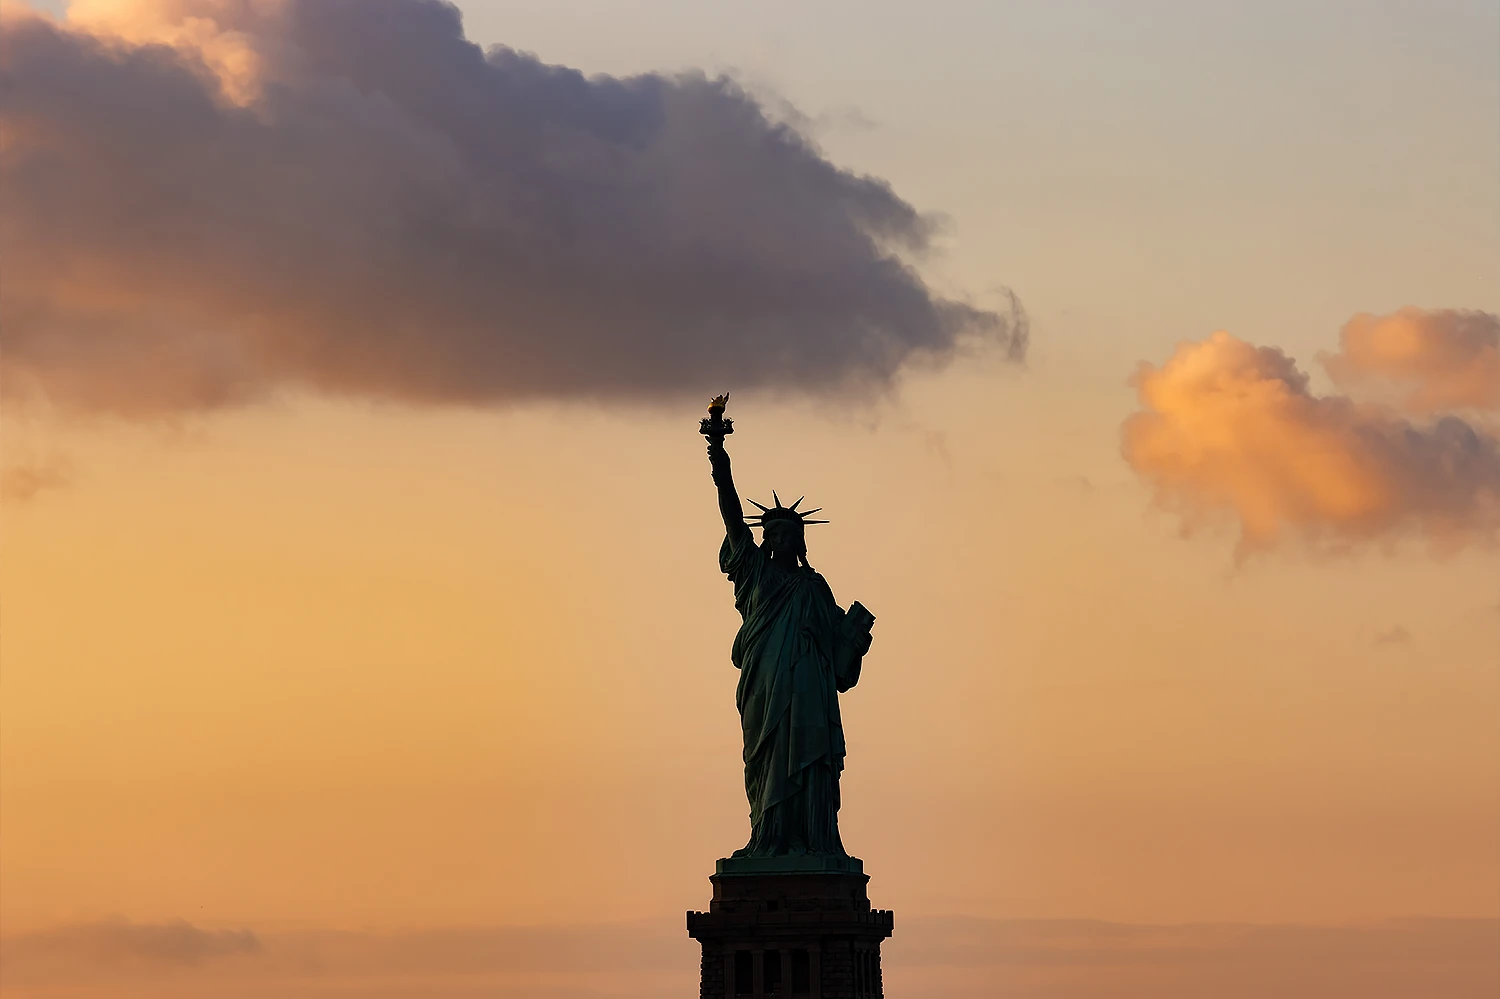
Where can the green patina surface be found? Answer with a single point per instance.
(805, 864)
(796, 651)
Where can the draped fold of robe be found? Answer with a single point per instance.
(786, 651)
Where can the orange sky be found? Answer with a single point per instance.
(322, 665)
(321, 668)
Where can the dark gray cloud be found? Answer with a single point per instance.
(209, 201)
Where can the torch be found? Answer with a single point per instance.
(716, 426)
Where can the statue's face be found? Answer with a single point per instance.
(783, 536)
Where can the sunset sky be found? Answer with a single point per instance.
(362, 626)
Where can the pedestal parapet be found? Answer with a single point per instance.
(793, 927)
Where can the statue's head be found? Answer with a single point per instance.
(784, 534)
(782, 526)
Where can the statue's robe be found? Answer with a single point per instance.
(786, 651)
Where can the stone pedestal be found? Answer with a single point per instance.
(793, 927)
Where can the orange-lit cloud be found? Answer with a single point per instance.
(209, 201)
(1228, 428)
(1437, 360)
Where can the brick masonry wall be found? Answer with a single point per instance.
(829, 917)
(838, 970)
(711, 984)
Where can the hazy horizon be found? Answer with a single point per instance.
(361, 610)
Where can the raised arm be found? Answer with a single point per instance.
(729, 498)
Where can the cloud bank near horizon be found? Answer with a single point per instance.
(1229, 430)
(210, 201)
(952, 956)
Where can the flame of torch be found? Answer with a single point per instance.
(716, 427)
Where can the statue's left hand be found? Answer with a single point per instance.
(858, 640)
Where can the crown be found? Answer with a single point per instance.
(779, 512)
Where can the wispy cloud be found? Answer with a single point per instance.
(22, 480)
(91, 950)
(1034, 959)
(1395, 635)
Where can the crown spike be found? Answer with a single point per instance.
(767, 514)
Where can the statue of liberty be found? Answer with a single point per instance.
(796, 651)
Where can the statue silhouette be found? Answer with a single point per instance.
(796, 651)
